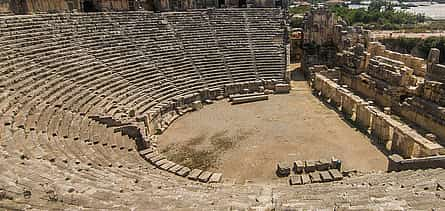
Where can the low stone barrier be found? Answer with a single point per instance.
(394, 135)
(248, 99)
(398, 163)
(161, 162)
(282, 88)
(232, 96)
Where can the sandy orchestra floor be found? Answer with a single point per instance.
(245, 141)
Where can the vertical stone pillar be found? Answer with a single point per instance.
(433, 58)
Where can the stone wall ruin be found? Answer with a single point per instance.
(380, 85)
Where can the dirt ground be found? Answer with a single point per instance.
(246, 141)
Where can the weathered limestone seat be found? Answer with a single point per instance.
(269, 56)
(196, 36)
(232, 34)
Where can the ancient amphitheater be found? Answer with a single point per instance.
(91, 103)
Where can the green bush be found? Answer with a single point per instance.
(380, 15)
(299, 10)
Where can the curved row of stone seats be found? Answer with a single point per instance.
(75, 139)
(411, 180)
(88, 52)
(48, 67)
(79, 158)
(122, 56)
(51, 186)
(50, 56)
(198, 39)
(40, 117)
(266, 31)
(33, 108)
(234, 42)
(161, 45)
(396, 190)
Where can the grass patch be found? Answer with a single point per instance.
(196, 140)
(221, 142)
(190, 154)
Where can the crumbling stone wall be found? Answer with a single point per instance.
(415, 63)
(370, 79)
(319, 27)
(426, 107)
(325, 35)
(393, 135)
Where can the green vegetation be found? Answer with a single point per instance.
(417, 46)
(379, 15)
(300, 10)
(296, 20)
(203, 152)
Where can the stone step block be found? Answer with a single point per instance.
(322, 165)
(336, 175)
(305, 179)
(295, 180)
(149, 156)
(161, 162)
(205, 176)
(167, 165)
(175, 168)
(326, 176)
(283, 169)
(298, 167)
(156, 158)
(146, 151)
(309, 166)
(183, 172)
(315, 177)
(215, 178)
(194, 174)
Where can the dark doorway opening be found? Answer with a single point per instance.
(221, 3)
(88, 6)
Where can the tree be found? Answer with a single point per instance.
(380, 14)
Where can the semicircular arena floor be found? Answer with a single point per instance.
(246, 141)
